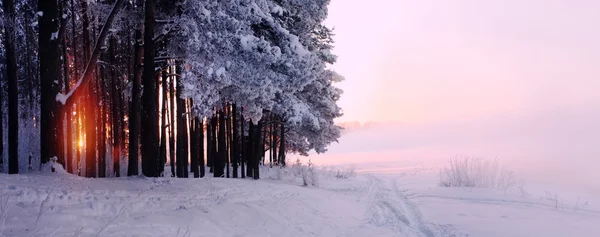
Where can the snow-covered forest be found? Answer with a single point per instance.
(110, 88)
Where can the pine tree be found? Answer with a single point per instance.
(149, 121)
(12, 81)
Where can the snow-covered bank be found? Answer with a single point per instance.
(496, 213)
(64, 205)
(408, 203)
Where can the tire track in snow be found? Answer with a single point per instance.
(388, 208)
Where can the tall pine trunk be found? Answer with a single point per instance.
(209, 138)
(251, 157)
(149, 122)
(194, 147)
(182, 152)
(258, 150)
(49, 59)
(227, 137)
(69, 158)
(221, 143)
(116, 108)
(282, 144)
(235, 156)
(243, 147)
(201, 146)
(135, 109)
(13, 97)
(172, 125)
(217, 166)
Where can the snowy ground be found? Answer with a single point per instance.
(405, 203)
(63, 205)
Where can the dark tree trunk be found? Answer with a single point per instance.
(227, 124)
(235, 156)
(116, 105)
(49, 72)
(186, 163)
(13, 97)
(90, 147)
(209, 140)
(149, 122)
(104, 112)
(251, 154)
(182, 149)
(134, 111)
(101, 118)
(172, 124)
(78, 135)
(221, 143)
(271, 140)
(60, 113)
(275, 137)
(282, 144)
(217, 165)
(194, 145)
(258, 150)
(69, 159)
(243, 146)
(83, 101)
(201, 146)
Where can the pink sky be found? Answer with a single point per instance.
(422, 61)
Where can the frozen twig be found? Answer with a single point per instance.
(78, 232)
(4, 198)
(42, 209)
(187, 232)
(110, 221)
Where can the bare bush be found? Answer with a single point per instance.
(476, 173)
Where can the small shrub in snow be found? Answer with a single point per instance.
(307, 172)
(476, 172)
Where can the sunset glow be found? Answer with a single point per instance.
(422, 61)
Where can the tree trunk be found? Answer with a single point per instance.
(90, 147)
(116, 107)
(49, 72)
(182, 149)
(221, 143)
(282, 146)
(235, 156)
(271, 139)
(13, 97)
(209, 139)
(201, 146)
(251, 157)
(69, 159)
(172, 125)
(149, 122)
(217, 166)
(243, 147)
(258, 150)
(163, 125)
(186, 163)
(227, 124)
(194, 145)
(274, 145)
(103, 111)
(134, 111)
